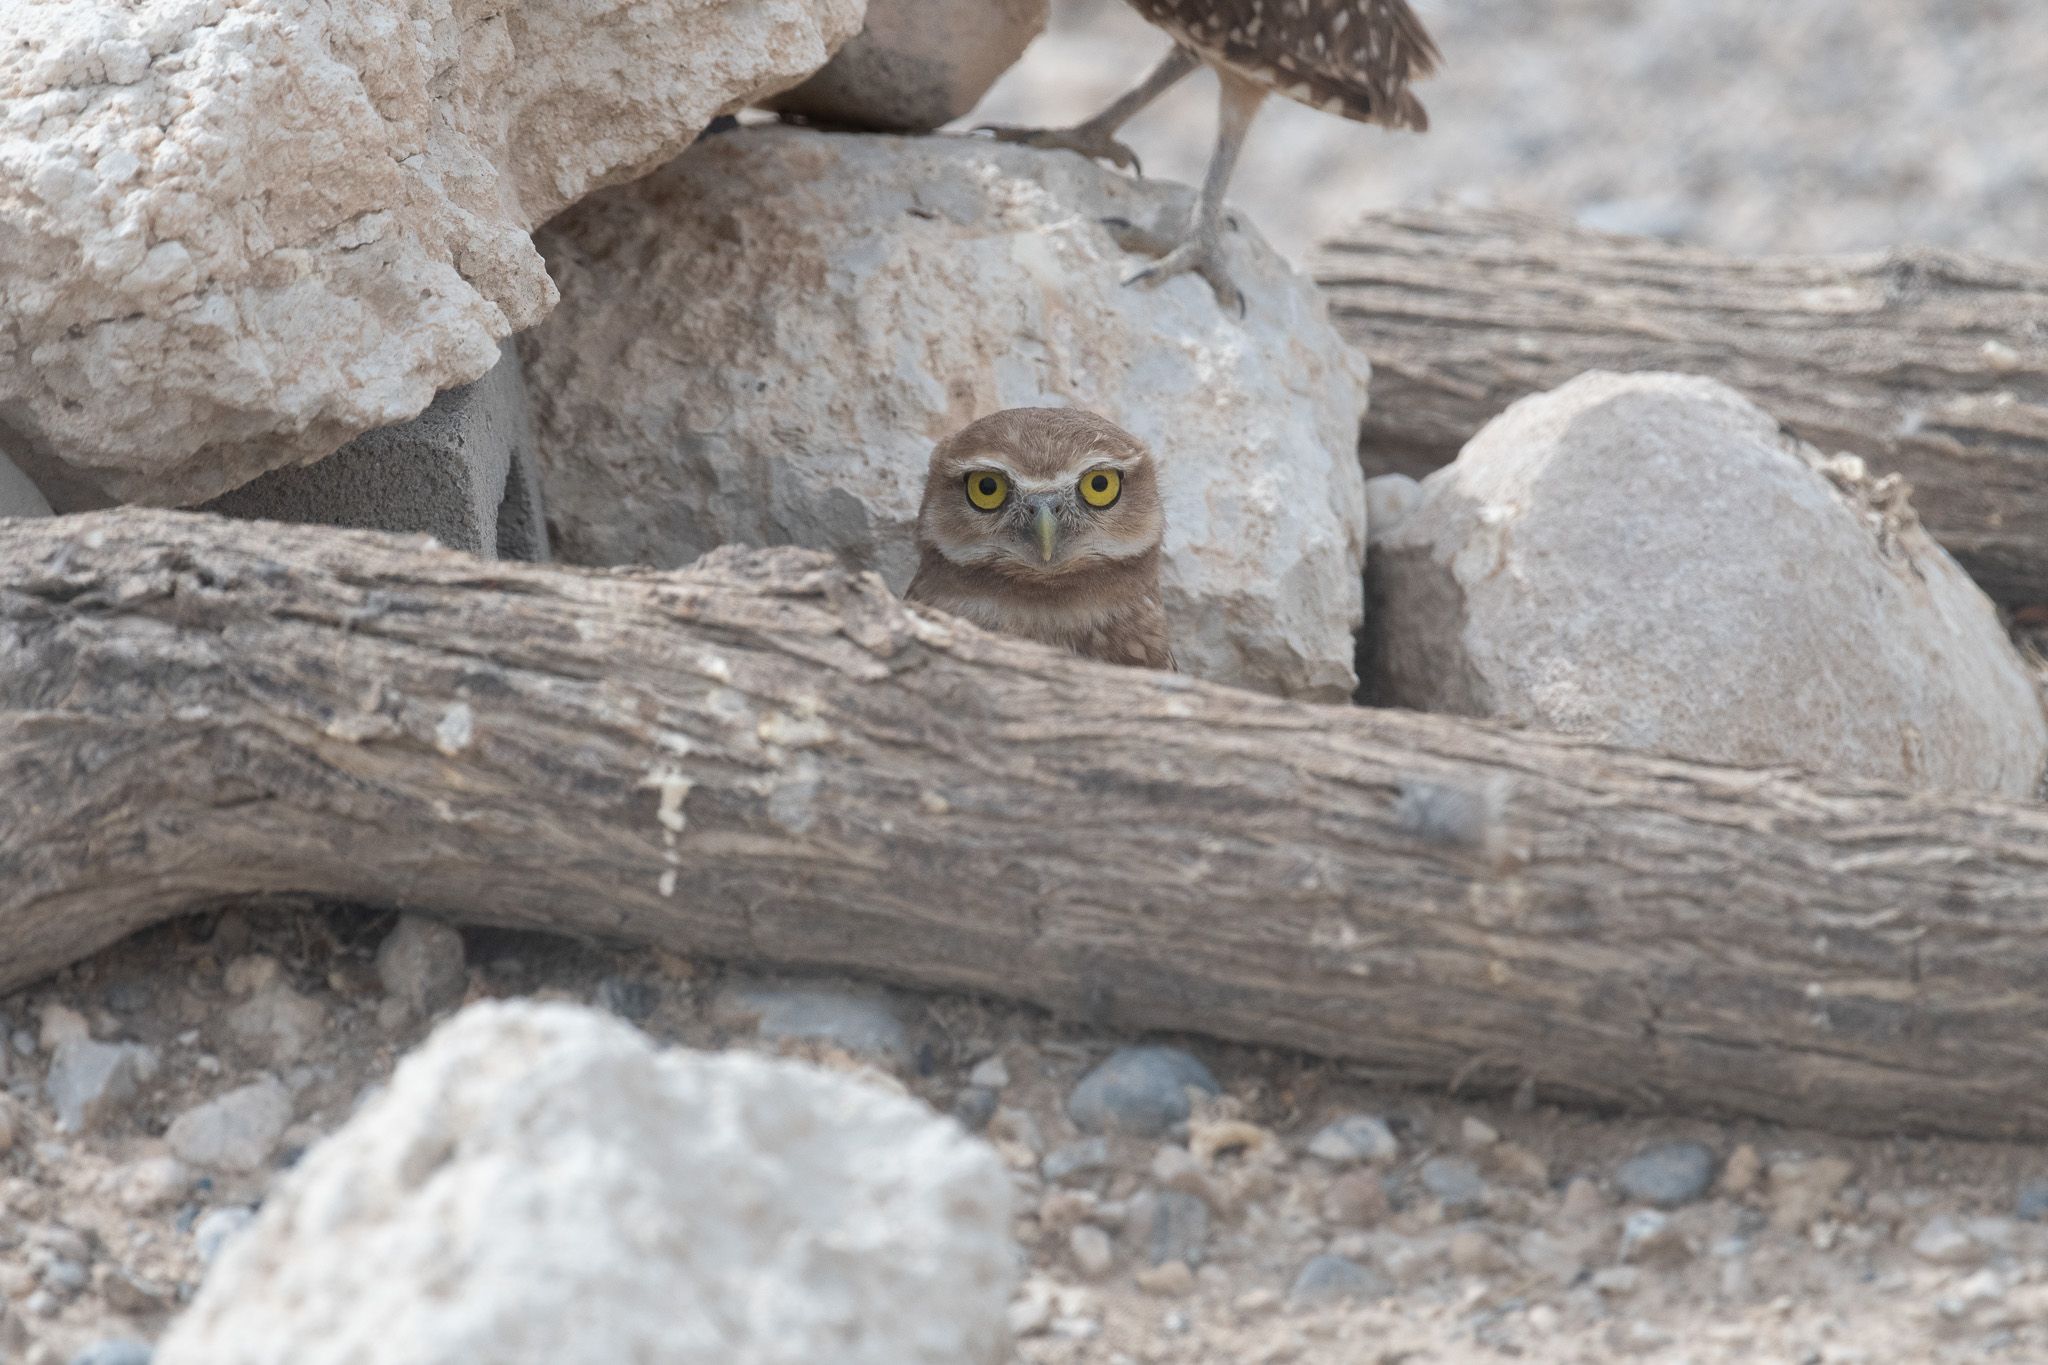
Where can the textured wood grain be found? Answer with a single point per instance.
(764, 758)
(1928, 364)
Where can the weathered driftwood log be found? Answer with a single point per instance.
(1929, 364)
(764, 758)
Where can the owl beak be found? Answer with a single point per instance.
(1048, 532)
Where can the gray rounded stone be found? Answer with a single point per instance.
(1326, 1279)
(421, 963)
(1355, 1137)
(1141, 1091)
(1669, 1174)
(2032, 1203)
(114, 1353)
(1454, 1181)
(1179, 1230)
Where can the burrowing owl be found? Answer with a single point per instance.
(1349, 57)
(1046, 523)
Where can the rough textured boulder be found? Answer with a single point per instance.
(762, 342)
(917, 64)
(233, 236)
(539, 1185)
(1647, 559)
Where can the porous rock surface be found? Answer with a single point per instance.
(541, 1184)
(1647, 559)
(236, 233)
(917, 64)
(762, 342)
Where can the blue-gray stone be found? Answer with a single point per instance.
(1142, 1091)
(114, 1353)
(1326, 1279)
(974, 1106)
(2032, 1203)
(1078, 1157)
(1180, 1228)
(1454, 1181)
(1669, 1174)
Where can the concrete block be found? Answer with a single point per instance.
(463, 472)
(19, 497)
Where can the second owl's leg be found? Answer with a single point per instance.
(1096, 139)
(1200, 248)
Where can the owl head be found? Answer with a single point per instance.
(1040, 493)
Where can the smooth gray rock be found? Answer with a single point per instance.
(2032, 1203)
(90, 1082)
(1327, 1279)
(1354, 1138)
(1179, 1228)
(1454, 1181)
(1080, 1157)
(1140, 1091)
(1669, 1174)
(865, 1022)
(420, 962)
(1647, 560)
(916, 64)
(463, 472)
(238, 1131)
(114, 1353)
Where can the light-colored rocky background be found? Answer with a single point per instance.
(1798, 125)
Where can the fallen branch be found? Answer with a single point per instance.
(766, 758)
(1928, 364)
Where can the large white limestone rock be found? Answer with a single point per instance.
(539, 1185)
(917, 64)
(762, 342)
(1648, 560)
(236, 233)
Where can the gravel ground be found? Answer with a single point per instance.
(1178, 1201)
(1800, 125)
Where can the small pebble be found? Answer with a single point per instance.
(1801, 1190)
(238, 1131)
(1650, 1236)
(214, 1228)
(1171, 1280)
(1356, 1199)
(627, 997)
(61, 1024)
(114, 1353)
(1742, 1171)
(1944, 1242)
(1179, 1230)
(1092, 1250)
(974, 1106)
(91, 1083)
(421, 962)
(863, 1022)
(1079, 1157)
(1478, 1134)
(65, 1277)
(1354, 1138)
(989, 1073)
(1668, 1174)
(1326, 1279)
(1454, 1181)
(1142, 1091)
(2031, 1205)
(277, 1025)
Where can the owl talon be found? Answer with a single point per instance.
(1096, 146)
(1176, 257)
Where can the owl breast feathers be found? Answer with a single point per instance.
(1046, 523)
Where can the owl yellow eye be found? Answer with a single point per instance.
(987, 489)
(1101, 487)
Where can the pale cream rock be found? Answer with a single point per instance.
(236, 233)
(762, 342)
